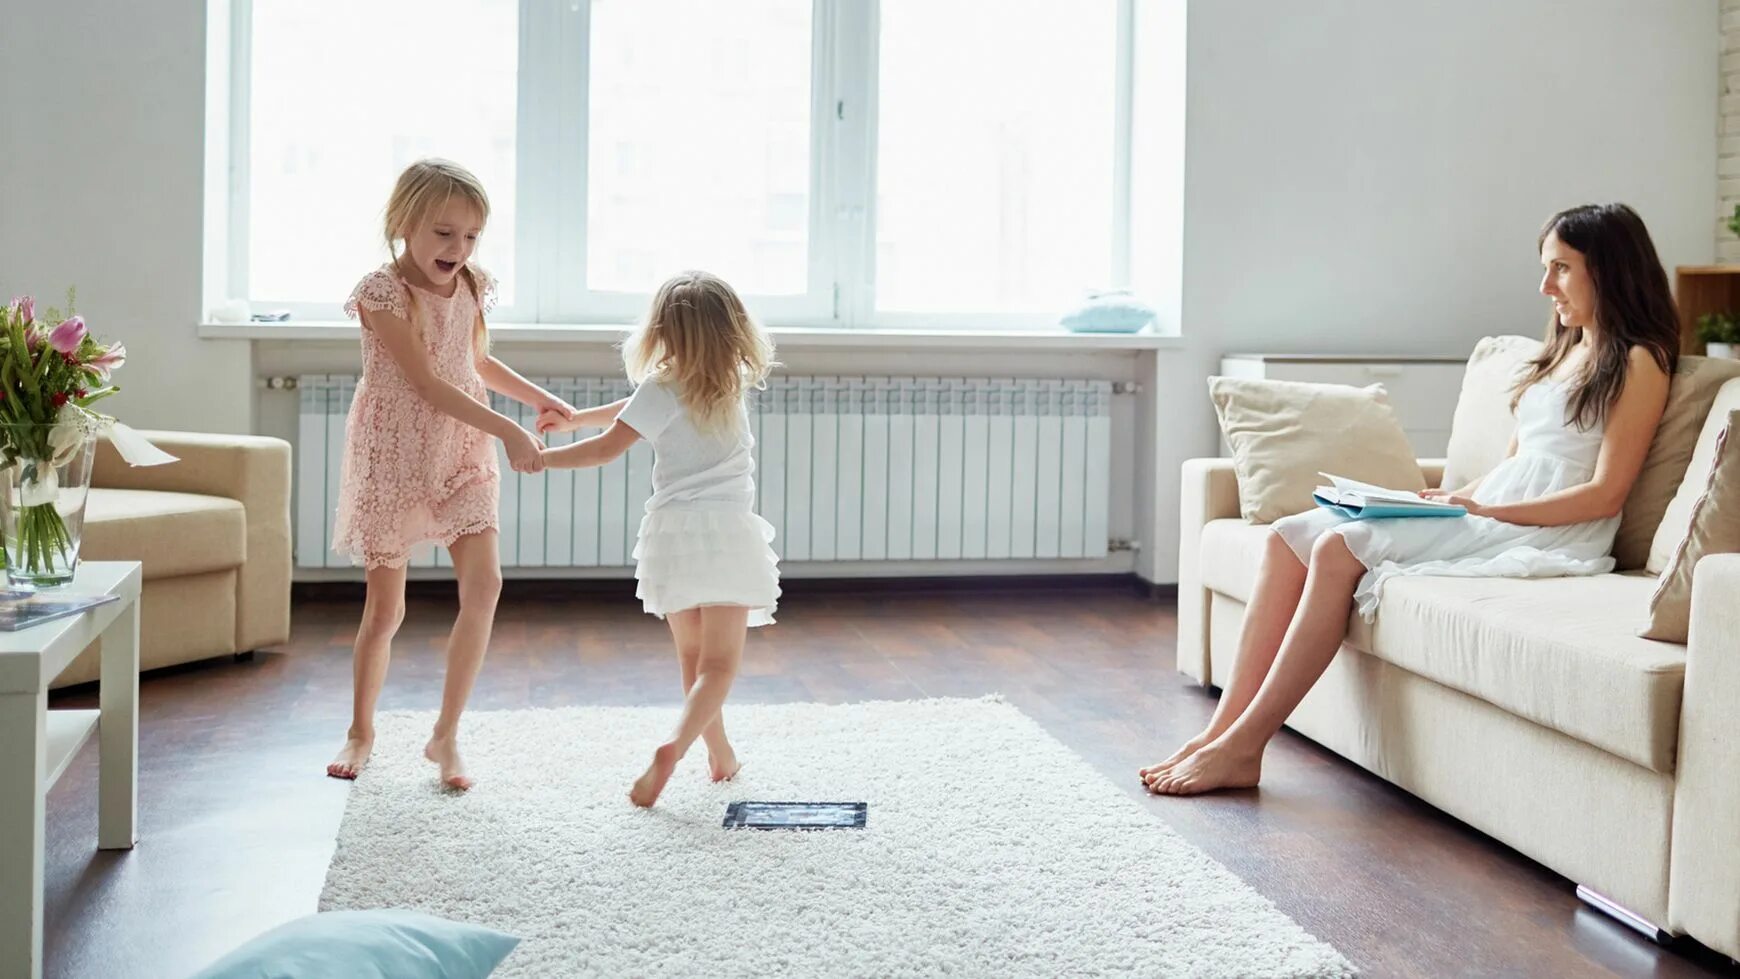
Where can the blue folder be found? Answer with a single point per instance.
(1382, 511)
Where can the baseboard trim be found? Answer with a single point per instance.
(537, 588)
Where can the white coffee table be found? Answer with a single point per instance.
(36, 744)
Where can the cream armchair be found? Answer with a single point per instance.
(212, 532)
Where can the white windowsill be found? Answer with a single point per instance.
(784, 337)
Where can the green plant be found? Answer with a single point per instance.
(1734, 222)
(1718, 328)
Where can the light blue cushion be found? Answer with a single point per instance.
(366, 944)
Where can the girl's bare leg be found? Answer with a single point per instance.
(723, 631)
(477, 564)
(383, 612)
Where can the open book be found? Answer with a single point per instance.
(1363, 501)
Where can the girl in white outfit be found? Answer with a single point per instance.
(1586, 412)
(704, 561)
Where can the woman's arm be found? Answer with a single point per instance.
(595, 451)
(1630, 429)
(407, 351)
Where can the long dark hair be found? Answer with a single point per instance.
(1633, 307)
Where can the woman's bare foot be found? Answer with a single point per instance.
(724, 765)
(1220, 765)
(647, 788)
(1153, 772)
(353, 756)
(443, 750)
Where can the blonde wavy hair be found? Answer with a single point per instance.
(698, 336)
(419, 194)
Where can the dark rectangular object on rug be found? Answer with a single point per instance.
(796, 815)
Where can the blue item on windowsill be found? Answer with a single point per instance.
(1113, 311)
(381, 943)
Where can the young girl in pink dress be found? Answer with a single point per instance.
(420, 461)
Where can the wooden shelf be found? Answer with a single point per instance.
(68, 730)
(1700, 289)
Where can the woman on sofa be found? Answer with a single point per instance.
(1586, 410)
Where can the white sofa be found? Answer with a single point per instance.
(1529, 709)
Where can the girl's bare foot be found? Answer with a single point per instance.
(1220, 765)
(647, 788)
(443, 750)
(724, 765)
(353, 756)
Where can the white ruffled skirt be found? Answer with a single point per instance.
(689, 558)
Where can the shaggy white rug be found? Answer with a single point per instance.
(990, 850)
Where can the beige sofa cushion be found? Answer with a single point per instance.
(1481, 429)
(1678, 517)
(1561, 652)
(1283, 433)
(170, 534)
(1694, 389)
(1712, 527)
(1232, 550)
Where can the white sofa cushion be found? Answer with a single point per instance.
(1232, 550)
(1561, 652)
(1481, 429)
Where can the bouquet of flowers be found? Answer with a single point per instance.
(51, 371)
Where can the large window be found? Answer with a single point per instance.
(326, 136)
(842, 162)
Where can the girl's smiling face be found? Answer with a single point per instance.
(442, 246)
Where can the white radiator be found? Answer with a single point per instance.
(848, 469)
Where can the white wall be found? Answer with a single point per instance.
(102, 114)
(1359, 175)
(1370, 176)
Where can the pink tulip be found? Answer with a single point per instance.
(67, 336)
(26, 308)
(106, 362)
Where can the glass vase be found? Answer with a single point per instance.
(42, 515)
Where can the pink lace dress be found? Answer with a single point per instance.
(411, 474)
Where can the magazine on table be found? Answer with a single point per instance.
(1363, 501)
(23, 609)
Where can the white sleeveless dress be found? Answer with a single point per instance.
(1552, 454)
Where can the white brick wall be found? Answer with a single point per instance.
(1728, 135)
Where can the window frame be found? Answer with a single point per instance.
(551, 155)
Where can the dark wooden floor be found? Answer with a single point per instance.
(238, 823)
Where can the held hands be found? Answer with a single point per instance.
(553, 420)
(555, 415)
(524, 452)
